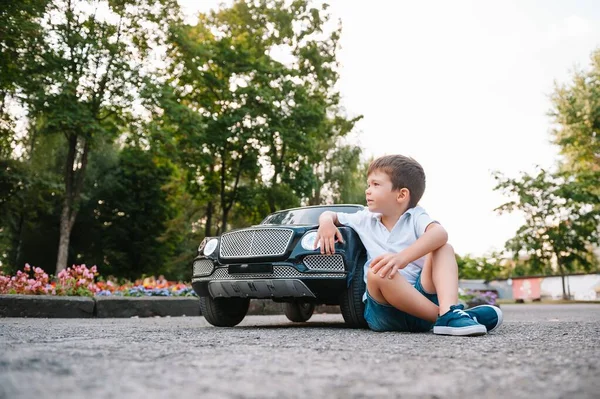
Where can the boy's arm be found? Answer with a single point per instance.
(434, 237)
(328, 232)
(329, 216)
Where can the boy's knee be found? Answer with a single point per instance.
(374, 281)
(446, 248)
(372, 277)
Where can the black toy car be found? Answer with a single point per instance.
(276, 260)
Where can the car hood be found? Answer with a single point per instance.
(298, 228)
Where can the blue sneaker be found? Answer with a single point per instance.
(457, 322)
(488, 315)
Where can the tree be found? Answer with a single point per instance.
(242, 121)
(29, 204)
(20, 38)
(561, 219)
(576, 113)
(343, 178)
(126, 216)
(84, 80)
(486, 268)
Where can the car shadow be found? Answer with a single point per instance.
(292, 325)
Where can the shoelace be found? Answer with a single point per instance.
(461, 313)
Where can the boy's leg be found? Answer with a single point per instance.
(440, 276)
(401, 295)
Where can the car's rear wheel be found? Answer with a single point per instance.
(298, 311)
(224, 312)
(351, 303)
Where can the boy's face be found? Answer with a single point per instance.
(380, 196)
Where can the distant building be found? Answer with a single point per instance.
(581, 287)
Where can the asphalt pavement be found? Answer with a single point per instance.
(541, 351)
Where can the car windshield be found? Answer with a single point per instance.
(307, 216)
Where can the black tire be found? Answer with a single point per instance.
(224, 312)
(298, 311)
(351, 304)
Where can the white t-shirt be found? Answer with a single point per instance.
(378, 240)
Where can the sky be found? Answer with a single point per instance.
(462, 87)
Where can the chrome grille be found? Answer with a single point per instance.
(334, 263)
(203, 267)
(255, 242)
(278, 272)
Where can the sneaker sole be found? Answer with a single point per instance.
(463, 331)
(498, 314)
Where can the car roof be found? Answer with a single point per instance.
(320, 206)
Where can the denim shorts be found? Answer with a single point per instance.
(382, 317)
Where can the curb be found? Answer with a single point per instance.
(49, 306)
(46, 306)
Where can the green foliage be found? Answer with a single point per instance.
(20, 37)
(126, 217)
(562, 219)
(235, 114)
(28, 209)
(486, 268)
(348, 176)
(83, 75)
(236, 130)
(576, 111)
(183, 230)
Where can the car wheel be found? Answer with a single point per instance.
(351, 304)
(224, 312)
(298, 311)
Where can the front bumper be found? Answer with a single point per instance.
(325, 291)
(319, 277)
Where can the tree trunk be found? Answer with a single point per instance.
(19, 238)
(73, 186)
(209, 214)
(316, 197)
(224, 220)
(63, 241)
(227, 203)
(271, 200)
(278, 169)
(562, 274)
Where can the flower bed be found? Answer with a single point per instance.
(475, 298)
(78, 280)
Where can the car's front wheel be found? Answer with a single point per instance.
(224, 312)
(298, 311)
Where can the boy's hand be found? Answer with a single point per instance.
(326, 237)
(387, 265)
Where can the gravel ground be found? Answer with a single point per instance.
(545, 351)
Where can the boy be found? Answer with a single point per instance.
(411, 271)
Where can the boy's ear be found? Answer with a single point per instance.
(403, 194)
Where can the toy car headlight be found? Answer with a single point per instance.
(210, 246)
(308, 241)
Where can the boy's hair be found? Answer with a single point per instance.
(404, 172)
